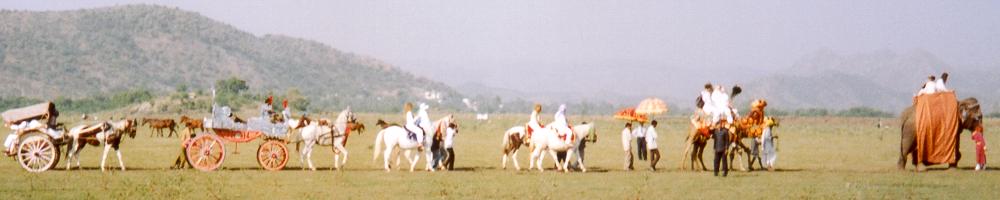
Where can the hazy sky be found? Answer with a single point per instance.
(500, 38)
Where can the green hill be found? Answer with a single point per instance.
(88, 52)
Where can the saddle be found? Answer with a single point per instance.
(570, 135)
(410, 134)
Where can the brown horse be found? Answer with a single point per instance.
(159, 124)
(192, 124)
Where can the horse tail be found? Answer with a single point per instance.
(378, 144)
(506, 140)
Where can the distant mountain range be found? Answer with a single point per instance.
(97, 51)
(884, 80)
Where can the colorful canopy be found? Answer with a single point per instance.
(629, 114)
(651, 106)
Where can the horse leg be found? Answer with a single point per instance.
(121, 162)
(104, 156)
(385, 156)
(413, 158)
(555, 159)
(302, 159)
(70, 153)
(532, 158)
(309, 151)
(513, 157)
(579, 161)
(569, 156)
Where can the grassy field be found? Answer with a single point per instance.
(819, 158)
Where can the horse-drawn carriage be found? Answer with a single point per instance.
(34, 140)
(206, 150)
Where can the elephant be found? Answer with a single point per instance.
(970, 117)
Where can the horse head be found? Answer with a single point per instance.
(382, 123)
(970, 113)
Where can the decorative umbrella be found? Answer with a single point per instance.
(651, 106)
(629, 114)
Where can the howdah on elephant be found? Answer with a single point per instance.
(970, 117)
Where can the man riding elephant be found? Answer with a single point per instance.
(969, 117)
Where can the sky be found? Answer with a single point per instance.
(489, 42)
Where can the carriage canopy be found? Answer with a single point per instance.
(37, 111)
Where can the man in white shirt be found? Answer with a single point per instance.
(534, 123)
(449, 140)
(722, 108)
(640, 143)
(708, 107)
(654, 153)
(939, 83)
(627, 145)
(929, 87)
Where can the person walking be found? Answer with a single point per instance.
(640, 142)
(627, 145)
(977, 136)
(654, 153)
(449, 143)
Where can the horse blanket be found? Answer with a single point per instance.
(937, 121)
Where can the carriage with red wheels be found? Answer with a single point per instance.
(34, 140)
(206, 151)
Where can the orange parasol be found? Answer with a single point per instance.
(629, 114)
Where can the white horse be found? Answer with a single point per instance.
(108, 134)
(324, 133)
(548, 140)
(394, 136)
(513, 139)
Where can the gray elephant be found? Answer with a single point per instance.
(970, 117)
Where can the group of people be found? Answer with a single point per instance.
(441, 144)
(559, 123)
(716, 105)
(934, 85)
(645, 143)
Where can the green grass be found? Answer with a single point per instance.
(824, 158)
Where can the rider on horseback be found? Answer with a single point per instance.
(561, 126)
(533, 123)
(411, 124)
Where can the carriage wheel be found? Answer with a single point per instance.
(206, 152)
(272, 155)
(37, 153)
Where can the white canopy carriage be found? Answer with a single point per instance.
(34, 140)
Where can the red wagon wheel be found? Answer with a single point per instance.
(206, 152)
(37, 153)
(272, 155)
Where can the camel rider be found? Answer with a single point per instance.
(411, 125)
(534, 123)
(561, 126)
(723, 109)
(708, 107)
